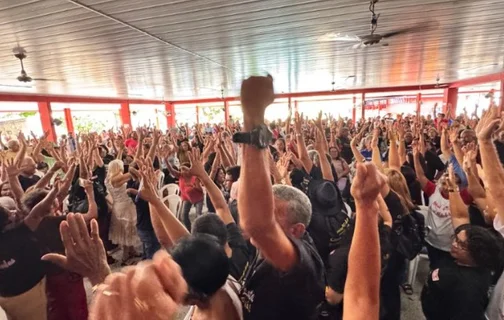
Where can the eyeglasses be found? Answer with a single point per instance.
(459, 243)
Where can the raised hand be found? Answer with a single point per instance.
(283, 164)
(367, 184)
(84, 252)
(151, 290)
(197, 168)
(256, 95)
(148, 191)
(488, 124)
(12, 169)
(298, 123)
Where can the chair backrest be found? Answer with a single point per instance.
(173, 201)
(161, 177)
(173, 189)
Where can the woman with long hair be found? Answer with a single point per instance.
(341, 167)
(123, 230)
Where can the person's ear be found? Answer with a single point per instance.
(298, 230)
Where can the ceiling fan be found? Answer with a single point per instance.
(21, 54)
(374, 38)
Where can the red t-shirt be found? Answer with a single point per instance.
(131, 143)
(430, 188)
(188, 192)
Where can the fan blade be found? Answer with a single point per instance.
(338, 37)
(14, 86)
(424, 26)
(44, 79)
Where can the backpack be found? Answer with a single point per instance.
(409, 234)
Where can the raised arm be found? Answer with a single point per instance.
(44, 181)
(445, 149)
(42, 209)
(255, 199)
(173, 227)
(325, 166)
(494, 173)
(418, 167)
(92, 212)
(156, 135)
(355, 151)
(13, 171)
(67, 182)
(393, 157)
(458, 210)
(457, 149)
(22, 152)
(362, 287)
(301, 146)
(376, 155)
(216, 196)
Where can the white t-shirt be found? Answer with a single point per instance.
(495, 309)
(232, 288)
(439, 222)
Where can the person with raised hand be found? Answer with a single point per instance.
(22, 273)
(362, 288)
(460, 290)
(235, 245)
(286, 280)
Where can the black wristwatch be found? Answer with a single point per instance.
(260, 137)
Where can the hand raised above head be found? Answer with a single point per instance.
(367, 183)
(257, 94)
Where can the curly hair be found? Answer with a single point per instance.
(486, 247)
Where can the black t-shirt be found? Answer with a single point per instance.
(456, 293)
(241, 255)
(270, 294)
(394, 204)
(27, 182)
(20, 265)
(433, 164)
(49, 238)
(346, 150)
(142, 208)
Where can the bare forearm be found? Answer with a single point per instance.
(394, 162)
(376, 157)
(255, 212)
(494, 173)
(45, 179)
(363, 281)
(92, 212)
(225, 158)
(16, 188)
(357, 155)
(159, 229)
(20, 155)
(217, 199)
(325, 166)
(171, 224)
(303, 153)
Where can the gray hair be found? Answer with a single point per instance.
(299, 209)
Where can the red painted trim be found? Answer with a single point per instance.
(45, 113)
(318, 93)
(71, 99)
(68, 120)
(478, 80)
(125, 114)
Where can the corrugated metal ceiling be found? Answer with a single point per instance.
(198, 47)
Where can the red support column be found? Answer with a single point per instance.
(354, 110)
(418, 104)
(68, 120)
(125, 114)
(450, 98)
(197, 114)
(363, 111)
(170, 114)
(45, 112)
(226, 113)
(501, 106)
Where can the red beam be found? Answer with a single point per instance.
(125, 114)
(68, 120)
(319, 93)
(478, 80)
(71, 99)
(45, 112)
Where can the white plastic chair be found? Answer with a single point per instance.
(161, 177)
(171, 188)
(173, 201)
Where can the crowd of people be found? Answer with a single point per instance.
(291, 219)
